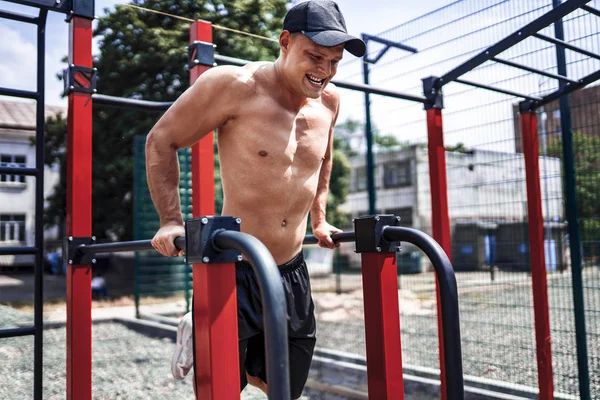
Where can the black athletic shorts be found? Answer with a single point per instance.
(301, 323)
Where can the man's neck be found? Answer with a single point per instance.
(289, 98)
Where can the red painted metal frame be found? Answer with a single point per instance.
(79, 219)
(537, 257)
(440, 220)
(217, 373)
(382, 326)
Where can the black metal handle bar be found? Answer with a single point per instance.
(274, 307)
(135, 245)
(449, 303)
(337, 238)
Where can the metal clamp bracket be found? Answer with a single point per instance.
(79, 79)
(433, 94)
(73, 255)
(201, 53)
(199, 233)
(369, 234)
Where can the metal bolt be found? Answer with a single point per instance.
(379, 249)
(204, 221)
(57, 2)
(353, 219)
(238, 221)
(95, 90)
(94, 238)
(70, 262)
(94, 261)
(205, 259)
(376, 218)
(72, 65)
(70, 238)
(398, 248)
(196, 61)
(240, 258)
(398, 219)
(214, 46)
(214, 64)
(71, 87)
(520, 33)
(487, 52)
(94, 69)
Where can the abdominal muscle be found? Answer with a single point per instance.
(273, 210)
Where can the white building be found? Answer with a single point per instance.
(485, 189)
(17, 193)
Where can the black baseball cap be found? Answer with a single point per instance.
(323, 23)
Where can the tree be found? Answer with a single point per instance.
(587, 170)
(143, 55)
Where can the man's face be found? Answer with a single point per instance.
(310, 67)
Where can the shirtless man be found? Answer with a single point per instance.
(275, 135)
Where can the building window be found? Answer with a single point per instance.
(361, 179)
(12, 228)
(396, 174)
(405, 214)
(12, 160)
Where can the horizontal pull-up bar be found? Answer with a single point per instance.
(530, 29)
(133, 104)
(342, 84)
(494, 89)
(19, 17)
(591, 10)
(534, 70)
(18, 250)
(16, 332)
(566, 45)
(19, 170)
(568, 88)
(24, 94)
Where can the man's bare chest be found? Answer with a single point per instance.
(272, 135)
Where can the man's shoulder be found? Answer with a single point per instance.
(331, 97)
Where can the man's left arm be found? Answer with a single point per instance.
(321, 229)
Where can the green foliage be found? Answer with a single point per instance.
(587, 169)
(143, 55)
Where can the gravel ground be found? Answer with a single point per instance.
(127, 365)
(496, 329)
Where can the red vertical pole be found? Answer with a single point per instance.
(79, 219)
(216, 370)
(382, 326)
(537, 257)
(440, 219)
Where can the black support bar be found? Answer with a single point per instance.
(591, 10)
(133, 104)
(374, 90)
(568, 88)
(389, 43)
(224, 60)
(16, 332)
(18, 250)
(81, 8)
(566, 45)
(342, 84)
(448, 301)
(511, 40)
(494, 89)
(534, 70)
(24, 94)
(274, 307)
(135, 245)
(341, 237)
(18, 17)
(19, 171)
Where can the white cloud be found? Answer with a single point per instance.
(18, 55)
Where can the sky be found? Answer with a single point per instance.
(18, 40)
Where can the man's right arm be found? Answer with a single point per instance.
(202, 108)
